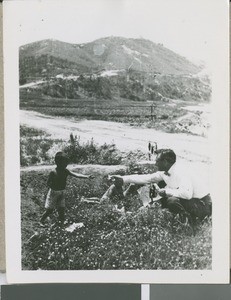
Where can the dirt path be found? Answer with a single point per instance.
(126, 138)
(84, 169)
(191, 150)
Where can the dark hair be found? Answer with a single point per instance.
(61, 157)
(167, 154)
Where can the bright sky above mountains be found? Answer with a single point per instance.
(184, 26)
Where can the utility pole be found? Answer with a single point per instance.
(152, 112)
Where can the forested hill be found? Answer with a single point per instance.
(111, 67)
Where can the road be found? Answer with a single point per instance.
(126, 137)
(193, 151)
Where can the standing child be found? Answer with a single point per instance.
(57, 184)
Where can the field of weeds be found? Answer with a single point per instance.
(145, 238)
(37, 148)
(161, 115)
(149, 238)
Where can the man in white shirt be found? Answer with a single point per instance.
(182, 193)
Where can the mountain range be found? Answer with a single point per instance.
(110, 67)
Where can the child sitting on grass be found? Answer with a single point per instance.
(57, 184)
(114, 195)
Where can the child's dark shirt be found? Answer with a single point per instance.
(57, 179)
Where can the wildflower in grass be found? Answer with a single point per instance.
(143, 243)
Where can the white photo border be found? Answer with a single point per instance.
(219, 176)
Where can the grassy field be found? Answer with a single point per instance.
(144, 239)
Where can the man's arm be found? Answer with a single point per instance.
(141, 179)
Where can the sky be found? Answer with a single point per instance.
(184, 26)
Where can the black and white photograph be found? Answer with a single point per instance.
(117, 137)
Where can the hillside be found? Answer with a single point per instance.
(107, 53)
(109, 68)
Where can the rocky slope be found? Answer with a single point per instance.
(109, 68)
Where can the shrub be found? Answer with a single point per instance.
(90, 152)
(37, 147)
